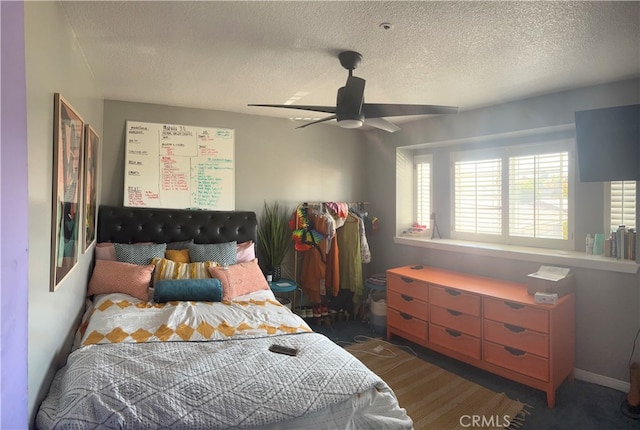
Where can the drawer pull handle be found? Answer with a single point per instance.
(406, 298)
(514, 351)
(453, 333)
(514, 328)
(407, 280)
(454, 313)
(452, 292)
(514, 305)
(406, 316)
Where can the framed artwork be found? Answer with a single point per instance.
(91, 142)
(66, 214)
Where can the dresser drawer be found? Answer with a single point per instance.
(517, 337)
(517, 360)
(451, 298)
(516, 314)
(408, 286)
(407, 304)
(456, 320)
(407, 323)
(455, 340)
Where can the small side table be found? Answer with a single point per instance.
(284, 285)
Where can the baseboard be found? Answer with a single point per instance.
(605, 381)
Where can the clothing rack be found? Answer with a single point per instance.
(322, 206)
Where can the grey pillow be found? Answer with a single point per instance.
(179, 245)
(222, 253)
(138, 253)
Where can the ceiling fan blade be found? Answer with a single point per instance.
(351, 96)
(326, 109)
(382, 124)
(379, 110)
(329, 118)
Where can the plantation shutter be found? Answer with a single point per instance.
(423, 190)
(478, 196)
(623, 204)
(538, 197)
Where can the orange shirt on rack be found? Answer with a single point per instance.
(320, 274)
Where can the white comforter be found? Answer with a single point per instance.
(116, 318)
(133, 368)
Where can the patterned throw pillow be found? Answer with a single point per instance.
(167, 269)
(117, 277)
(240, 279)
(141, 254)
(223, 253)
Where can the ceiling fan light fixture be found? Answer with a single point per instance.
(350, 123)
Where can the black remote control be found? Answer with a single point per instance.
(283, 350)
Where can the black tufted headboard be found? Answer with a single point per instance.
(130, 225)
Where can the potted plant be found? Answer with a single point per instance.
(274, 238)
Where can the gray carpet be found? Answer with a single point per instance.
(579, 405)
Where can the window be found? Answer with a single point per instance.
(478, 196)
(514, 195)
(622, 196)
(423, 190)
(538, 196)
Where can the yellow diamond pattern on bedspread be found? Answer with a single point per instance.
(184, 331)
(115, 318)
(104, 305)
(124, 304)
(141, 335)
(206, 330)
(94, 337)
(117, 335)
(164, 333)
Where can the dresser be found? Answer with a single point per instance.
(489, 323)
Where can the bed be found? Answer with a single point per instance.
(171, 357)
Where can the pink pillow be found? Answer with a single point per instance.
(118, 277)
(105, 251)
(245, 251)
(240, 279)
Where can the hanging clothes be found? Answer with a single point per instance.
(365, 252)
(350, 258)
(320, 275)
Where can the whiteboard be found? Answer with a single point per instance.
(179, 167)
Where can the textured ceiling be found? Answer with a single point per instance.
(225, 55)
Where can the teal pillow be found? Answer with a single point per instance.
(224, 254)
(196, 290)
(139, 253)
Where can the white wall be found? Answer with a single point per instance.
(54, 63)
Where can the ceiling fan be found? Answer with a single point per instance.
(351, 111)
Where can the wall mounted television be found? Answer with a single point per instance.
(608, 144)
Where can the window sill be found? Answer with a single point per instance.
(521, 253)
